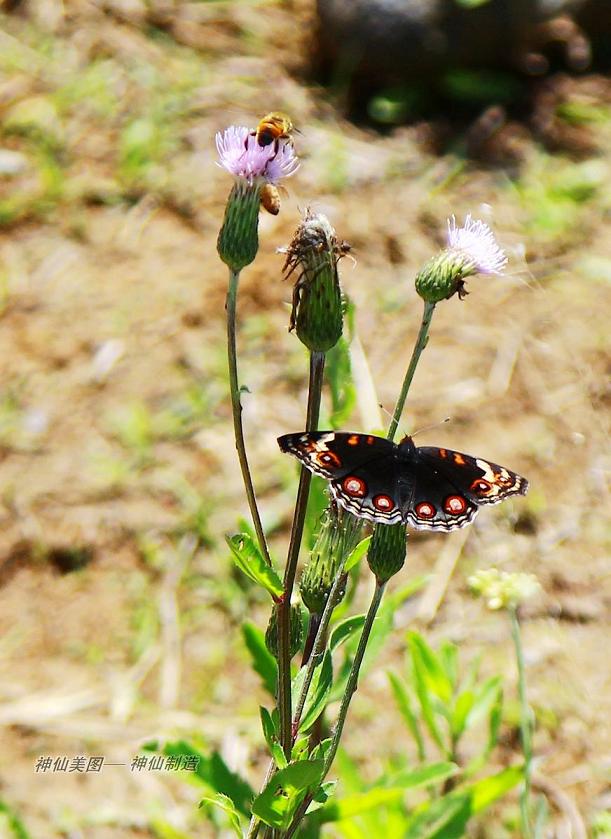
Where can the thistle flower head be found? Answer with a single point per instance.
(476, 242)
(338, 535)
(472, 249)
(242, 156)
(503, 590)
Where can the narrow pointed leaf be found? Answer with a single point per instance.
(226, 805)
(247, 557)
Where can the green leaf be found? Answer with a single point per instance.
(434, 773)
(424, 698)
(263, 661)
(345, 630)
(318, 693)
(277, 803)
(484, 699)
(226, 804)
(357, 553)
(460, 713)
(404, 703)
(323, 794)
(279, 756)
(269, 729)
(248, 558)
(448, 655)
(432, 670)
(441, 818)
(338, 373)
(13, 822)
(489, 790)
(359, 803)
(213, 772)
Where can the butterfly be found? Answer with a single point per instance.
(385, 482)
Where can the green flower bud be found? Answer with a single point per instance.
(238, 240)
(338, 535)
(296, 631)
(441, 277)
(472, 249)
(313, 255)
(387, 550)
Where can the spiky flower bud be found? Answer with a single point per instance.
(472, 249)
(338, 535)
(501, 589)
(312, 256)
(253, 166)
(387, 551)
(296, 631)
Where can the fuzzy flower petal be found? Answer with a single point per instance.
(476, 242)
(242, 156)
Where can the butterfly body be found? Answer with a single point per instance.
(426, 487)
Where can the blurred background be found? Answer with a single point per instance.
(120, 610)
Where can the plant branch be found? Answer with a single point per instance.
(419, 346)
(236, 406)
(351, 687)
(317, 366)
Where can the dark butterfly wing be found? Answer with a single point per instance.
(363, 470)
(450, 486)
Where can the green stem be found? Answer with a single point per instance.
(421, 343)
(351, 687)
(525, 725)
(236, 406)
(319, 643)
(317, 366)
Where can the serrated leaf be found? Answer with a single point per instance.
(248, 558)
(226, 804)
(277, 803)
(357, 553)
(263, 661)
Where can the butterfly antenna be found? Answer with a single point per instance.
(433, 425)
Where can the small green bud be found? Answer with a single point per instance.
(313, 255)
(338, 536)
(296, 631)
(238, 240)
(387, 550)
(441, 277)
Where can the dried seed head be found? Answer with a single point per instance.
(311, 260)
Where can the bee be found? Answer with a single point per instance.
(270, 198)
(273, 127)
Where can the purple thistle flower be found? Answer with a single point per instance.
(242, 156)
(475, 241)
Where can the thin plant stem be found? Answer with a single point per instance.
(525, 725)
(236, 407)
(317, 366)
(419, 346)
(351, 687)
(319, 644)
